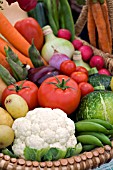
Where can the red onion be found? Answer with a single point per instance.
(57, 59)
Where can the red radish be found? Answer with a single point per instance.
(77, 44)
(86, 52)
(97, 61)
(104, 71)
(64, 33)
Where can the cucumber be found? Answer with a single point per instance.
(39, 14)
(99, 80)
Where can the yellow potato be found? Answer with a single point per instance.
(5, 118)
(6, 136)
(16, 106)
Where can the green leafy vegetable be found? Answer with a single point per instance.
(8, 152)
(74, 151)
(50, 154)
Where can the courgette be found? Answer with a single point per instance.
(39, 14)
(99, 80)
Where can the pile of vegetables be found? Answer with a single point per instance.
(56, 95)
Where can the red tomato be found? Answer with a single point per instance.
(67, 67)
(59, 92)
(81, 69)
(29, 91)
(85, 88)
(79, 77)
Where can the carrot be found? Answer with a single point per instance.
(13, 36)
(4, 63)
(23, 59)
(101, 27)
(91, 27)
(106, 17)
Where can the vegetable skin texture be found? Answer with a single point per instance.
(101, 27)
(4, 63)
(100, 80)
(97, 105)
(13, 36)
(106, 17)
(30, 29)
(91, 26)
(66, 99)
(23, 58)
(26, 89)
(43, 128)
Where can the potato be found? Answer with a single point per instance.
(16, 106)
(2, 87)
(6, 136)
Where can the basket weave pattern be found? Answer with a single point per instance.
(84, 161)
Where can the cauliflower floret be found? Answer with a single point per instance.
(18, 147)
(36, 142)
(22, 128)
(42, 128)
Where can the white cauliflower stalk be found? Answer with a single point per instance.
(42, 128)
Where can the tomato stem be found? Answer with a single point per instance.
(19, 87)
(62, 84)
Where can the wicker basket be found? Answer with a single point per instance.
(86, 160)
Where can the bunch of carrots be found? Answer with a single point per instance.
(98, 25)
(14, 40)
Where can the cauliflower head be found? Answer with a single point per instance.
(42, 128)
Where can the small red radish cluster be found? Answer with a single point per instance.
(89, 57)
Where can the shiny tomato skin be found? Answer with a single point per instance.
(79, 77)
(81, 69)
(67, 67)
(49, 95)
(29, 92)
(85, 88)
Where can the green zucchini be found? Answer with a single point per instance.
(39, 14)
(99, 80)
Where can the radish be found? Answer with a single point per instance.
(97, 61)
(86, 52)
(77, 44)
(64, 33)
(104, 71)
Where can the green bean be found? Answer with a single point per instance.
(55, 13)
(50, 16)
(20, 73)
(69, 21)
(61, 18)
(6, 76)
(9, 53)
(35, 56)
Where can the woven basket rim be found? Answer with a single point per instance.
(86, 160)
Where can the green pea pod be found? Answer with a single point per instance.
(18, 72)
(35, 56)
(68, 17)
(55, 13)
(48, 6)
(9, 53)
(6, 76)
